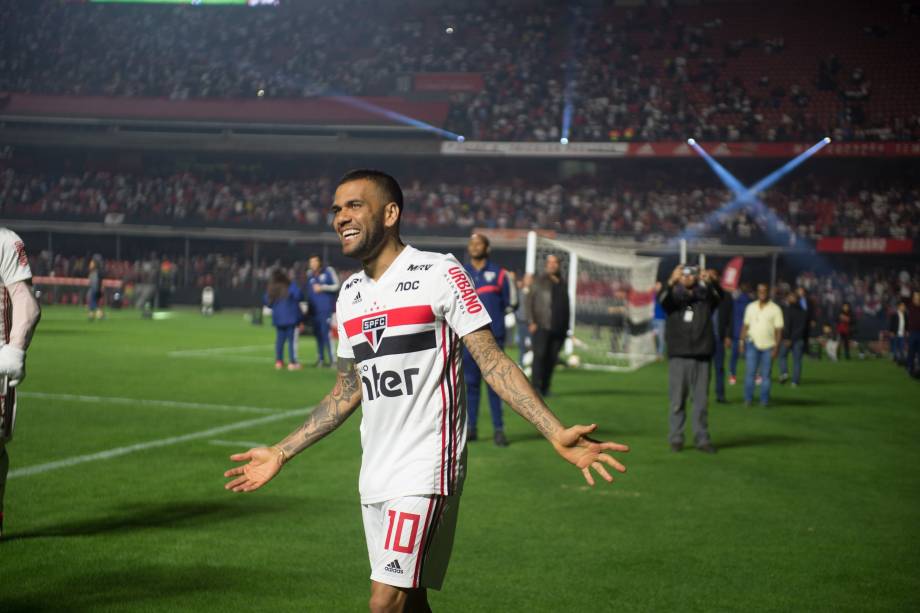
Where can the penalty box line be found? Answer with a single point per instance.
(165, 442)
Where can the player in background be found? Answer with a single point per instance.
(94, 294)
(20, 315)
(499, 296)
(322, 287)
(401, 321)
(284, 297)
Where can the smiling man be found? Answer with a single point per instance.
(401, 323)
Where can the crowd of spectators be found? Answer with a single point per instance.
(652, 72)
(647, 206)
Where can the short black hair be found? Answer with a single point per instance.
(387, 185)
(482, 237)
(315, 255)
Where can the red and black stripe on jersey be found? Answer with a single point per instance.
(393, 344)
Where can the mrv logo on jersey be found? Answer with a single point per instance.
(389, 383)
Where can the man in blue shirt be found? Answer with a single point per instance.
(322, 289)
(498, 295)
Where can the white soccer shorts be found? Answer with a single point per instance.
(409, 539)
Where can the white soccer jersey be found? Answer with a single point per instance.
(403, 332)
(14, 264)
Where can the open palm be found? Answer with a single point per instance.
(577, 447)
(264, 464)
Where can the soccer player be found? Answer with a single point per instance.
(401, 323)
(20, 316)
(322, 286)
(497, 294)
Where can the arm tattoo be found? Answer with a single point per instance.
(330, 413)
(509, 382)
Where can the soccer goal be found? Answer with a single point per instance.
(612, 294)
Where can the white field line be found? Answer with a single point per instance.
(240, 444)
(163, 442)
(228, 354)
(172, 404)
(215, 350)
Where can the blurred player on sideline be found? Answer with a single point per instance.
(499, 296)
(20, 315)
(401, 321)
(283, 297)
(94, 294)
(322, 287)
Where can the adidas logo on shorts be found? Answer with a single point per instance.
(393, 567)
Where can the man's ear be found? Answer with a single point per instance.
(391, 214)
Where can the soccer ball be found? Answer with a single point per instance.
(573, 361)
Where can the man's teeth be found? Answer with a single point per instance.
(349, 233)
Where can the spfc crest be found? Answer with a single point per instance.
(374, 328)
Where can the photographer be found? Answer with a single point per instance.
(689, 300)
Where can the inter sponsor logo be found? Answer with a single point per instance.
(468, 294)
(389, 383)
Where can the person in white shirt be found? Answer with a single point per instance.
(20, 315)
(401, 323)
(761, 334)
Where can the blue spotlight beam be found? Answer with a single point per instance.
(726, 177)
(748, 196)
(786, 168)
(398, 117)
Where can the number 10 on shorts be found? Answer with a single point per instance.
(400, 521)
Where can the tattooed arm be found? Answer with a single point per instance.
(509, 382)
(329, 414)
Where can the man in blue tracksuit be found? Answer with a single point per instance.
(322, 289)
(741, 297)
(498, 294)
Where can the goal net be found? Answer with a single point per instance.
(611, 292)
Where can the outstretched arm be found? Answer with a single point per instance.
(509, 382)
(329, 414)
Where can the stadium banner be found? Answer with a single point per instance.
(471, 82)
(838, 244)
(522, 149)
(306, 111)
(675, 149)
(75, 281)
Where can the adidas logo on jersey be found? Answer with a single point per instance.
(393, 567)
(357, 298)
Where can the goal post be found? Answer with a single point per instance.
(611, 293)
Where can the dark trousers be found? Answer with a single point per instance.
(897, 348)
(913, 350)
(285, 334)
(718, 362)
(688, 377)
(796, 348)
(321, 332)
(736, 353)
(4, 469)
(546, 347)
(845, 344)
(473, 377)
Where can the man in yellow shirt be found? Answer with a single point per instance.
(761, 334)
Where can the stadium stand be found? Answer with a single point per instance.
(719, 71)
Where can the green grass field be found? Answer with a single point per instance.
(813, 505)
